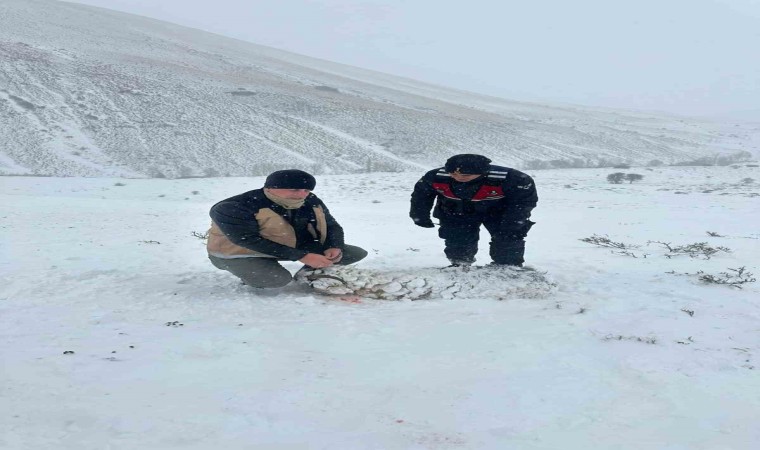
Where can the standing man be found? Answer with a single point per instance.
(470, 192)
(283, 221)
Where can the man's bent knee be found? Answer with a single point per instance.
(352, 254)
(256, 272)
(271, 281)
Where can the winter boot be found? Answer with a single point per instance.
(520, 267)
(464, 265)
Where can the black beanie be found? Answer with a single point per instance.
(468, 163)
(290, 179)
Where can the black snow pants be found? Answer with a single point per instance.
(461, 234)
(268, 272)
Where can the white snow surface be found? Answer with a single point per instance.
(169, 352)
(85, 91)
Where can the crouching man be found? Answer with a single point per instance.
(251, 232)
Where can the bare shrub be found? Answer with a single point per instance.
(605, 241)
(735, 278)
(616, 178)
(620, 248)
(631, 177)
(696, 250)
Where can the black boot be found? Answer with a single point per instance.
(494, 264)
(459, 263)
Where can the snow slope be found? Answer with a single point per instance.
(86, 91)
(168, 352)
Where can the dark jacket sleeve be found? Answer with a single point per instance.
(521, 198)
(334, 237)
(236, 218)
(423, 197)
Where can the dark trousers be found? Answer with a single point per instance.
(462, 233)
(268, 272)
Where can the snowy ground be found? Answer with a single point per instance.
(169, 352)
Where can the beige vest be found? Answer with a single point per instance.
(272, 226)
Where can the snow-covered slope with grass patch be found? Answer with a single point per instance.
(91, 92)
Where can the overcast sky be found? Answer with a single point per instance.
(693, 57)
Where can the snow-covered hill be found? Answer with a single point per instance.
(90, 92)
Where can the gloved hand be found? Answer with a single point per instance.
(424, 222)
(519, 230)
